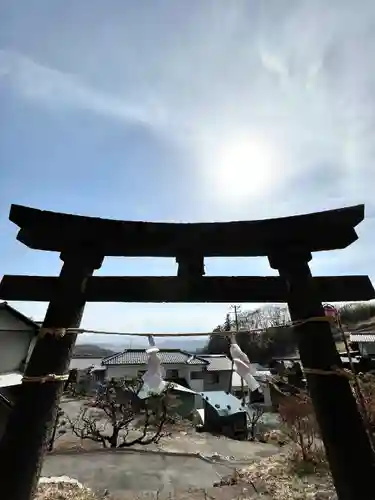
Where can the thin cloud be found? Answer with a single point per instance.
(57, 89)
(296, 78)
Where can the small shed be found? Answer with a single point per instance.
(224, 414)
(183, 399)
(183, 403)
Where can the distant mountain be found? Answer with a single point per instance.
(93, 351)
(187, 344)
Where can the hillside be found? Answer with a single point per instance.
(102, 350)
(366, 327)
(92, 351)
(119, 343)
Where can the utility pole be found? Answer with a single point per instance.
(235, 311)
(227, 328)
(237, 330)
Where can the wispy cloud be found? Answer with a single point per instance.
(296, 78)
(54, 88)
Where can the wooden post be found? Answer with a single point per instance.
(347, 445)
(26, 437)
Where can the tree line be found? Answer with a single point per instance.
(264, 334)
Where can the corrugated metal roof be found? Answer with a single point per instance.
(362, 338)
(180, 388)
(217, 362)
(144, 393)
(225, 404)
(140, 357)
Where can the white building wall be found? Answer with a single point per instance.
(131, 371)
(14, 345)
(265, 386)
(84, 363)
(366, 348)
(195, 384)
(122, 371)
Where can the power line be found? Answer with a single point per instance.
(180, 334)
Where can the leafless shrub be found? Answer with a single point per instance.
(255, 415)
(367, 387)
(117, 411)
(300, 425)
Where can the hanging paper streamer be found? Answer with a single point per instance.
(243, 366)
(153, 378)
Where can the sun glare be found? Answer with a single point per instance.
(245, 167)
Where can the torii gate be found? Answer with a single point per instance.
(83, 242)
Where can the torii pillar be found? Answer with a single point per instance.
(347, 444)
(24, 442)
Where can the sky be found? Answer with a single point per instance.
(176, 110)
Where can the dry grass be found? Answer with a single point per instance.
(64, 491)
(277, 477)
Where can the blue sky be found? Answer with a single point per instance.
(185, 111)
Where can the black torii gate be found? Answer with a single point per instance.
(83, 242)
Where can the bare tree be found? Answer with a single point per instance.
(300, 425)
(255, 413)
(119, 418)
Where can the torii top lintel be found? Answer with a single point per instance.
(52, 231)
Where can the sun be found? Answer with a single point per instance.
(245, 167)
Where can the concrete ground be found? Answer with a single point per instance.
(122, 472)
(132, 471)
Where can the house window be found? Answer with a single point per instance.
(213, 378)
(197, 375)
(172, 374)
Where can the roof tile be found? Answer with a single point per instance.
(362, 338)
(139, 357)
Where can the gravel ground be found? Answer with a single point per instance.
(184, 439)
(118, 472)
(144, 474)
(136, 474)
